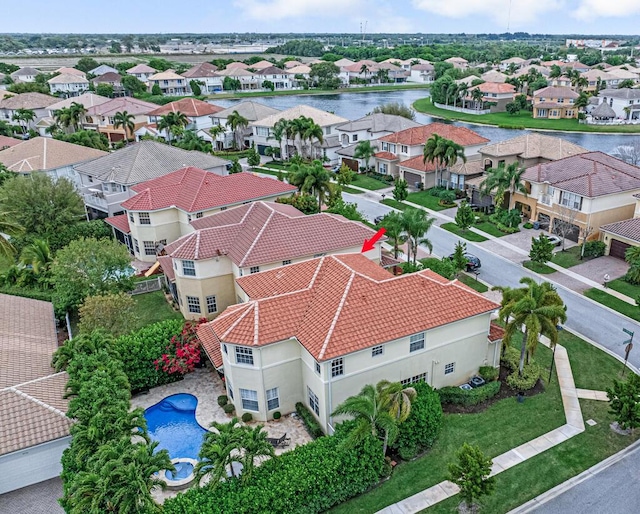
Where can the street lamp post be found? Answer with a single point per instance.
(553, 358)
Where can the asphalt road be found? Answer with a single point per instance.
(585, 317)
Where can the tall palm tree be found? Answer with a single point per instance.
(477, 97)
(63, 117)
(312, 131)
(536, 307)
(416, 224)
(312, 179)
(398, 399)
(11, 228)
(395, 234)
(214, 132)
(278, 133)
(364, 69)
(255, 445)
(365, 150)
(237, 123)
(76, 113)
(23, 117)
(172, 123)
(371, 411)
(442, 153)
(503, 180)
(124, 120)
(220, 449)
(299, 126)
(463, 90)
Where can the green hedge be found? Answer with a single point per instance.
(489, 373)
(308, 479)
(138, 351)
(34, 294)
(457, 396)
(530, 375)
(594, 248)
(310, 422)
(420, 430)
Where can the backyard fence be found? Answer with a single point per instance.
(147, 286)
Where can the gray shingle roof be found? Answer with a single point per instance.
(252, 111)
(378, 122)
(147, 160)
(625, 93)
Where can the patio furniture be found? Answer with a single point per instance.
(279, 442)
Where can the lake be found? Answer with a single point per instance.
(356, 105)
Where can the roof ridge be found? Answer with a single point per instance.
(316, 272)
(336, 315)
(256, 320)
(257, 238)
(37, 402)
(35, 379)
(250, 306)
(197, 248)
(203, 180)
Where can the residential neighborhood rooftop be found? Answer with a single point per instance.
(201, 70)
(87, 100)
(191, 107)
(45, 153)
(28, 101)
(68, 78)
(556, 92)
(626, 228)
(418, 135)
(379, 122)
(534, 145)
(249, 110)
(126, 103)
(322, 118)
(6, 142)
(141, 68)
(331, 306)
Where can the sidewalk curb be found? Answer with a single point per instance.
(543, 498)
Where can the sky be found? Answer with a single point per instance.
(335, 16)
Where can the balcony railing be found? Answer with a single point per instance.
(545, 199)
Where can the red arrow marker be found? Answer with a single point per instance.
(370, 243)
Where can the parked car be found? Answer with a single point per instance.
(336, 168)
(378, 219)
(473, 263)
(555, 240)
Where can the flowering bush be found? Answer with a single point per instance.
(183, 351)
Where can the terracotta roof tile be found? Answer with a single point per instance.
(263, 233)
(193, 189)
(418, 135)
(417, 163)
(387, 156)
(191, 107)
(211, 344)
(336, 310)
(202, 70)
(7, 142)
(496, 332)
(120, 222)
(167, 267)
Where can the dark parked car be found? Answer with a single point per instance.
(378, 220)
(473, 263)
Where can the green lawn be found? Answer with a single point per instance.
(276, 165)
(473, 283)
(275, 173)
(543, 269)
(570, 257)
(521, 120)
(465, 234)
(368, 182)
(624, 287)
(489, 228)
(152, 307)
(631, 311)
(395, 204)
(426, 200)
(347, 189)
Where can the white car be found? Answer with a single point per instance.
(555, 240)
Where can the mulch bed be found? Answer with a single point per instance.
(505, 392)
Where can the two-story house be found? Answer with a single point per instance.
(102, 117)
(201, 267)
(106, 182)
(102, 69)
(162, 208)
(111, 79)
(169, 82)
(624, 102)
(508, 64)
(87, 100)
(497, 94)
(249, 80)
(206, 74)
(36, 102)
(262, 132)
(622, 235)
(555, 103)
(401, 154)
(68, 84)
(312, 332)
(142, 72)
(26, 74)
(280, 79)
(299, 74)
(583, 192)
(249, 110)
(199, 115)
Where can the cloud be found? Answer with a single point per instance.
(589, 10)
(522, 11)
(284, 9)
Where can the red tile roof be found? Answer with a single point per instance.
(120, 222)
(496, 332)
(261, 233)
(417, 163)
(332, 306)
(202, 70)
(387, 156)
(167, 267)
(7, 142)
(191, 107)
(418, 135)
(211, 344)
(495, 87)
(193, 189)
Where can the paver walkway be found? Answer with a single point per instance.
(574, 426)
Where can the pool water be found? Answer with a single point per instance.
(183, 470)
(172, 422)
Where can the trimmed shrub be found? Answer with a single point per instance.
(528, 225)
(246, 417)
(594, 248)
(277, 415)
(530, 375)
(447, 197)
(489, 373)
(443, 267)
(313, 427)
(507, 230)
(510, 358)
(420, 430)
(229, 408)
(457, 396)
(223, 400)
(290, 482)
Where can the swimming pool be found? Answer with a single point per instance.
(172, 422)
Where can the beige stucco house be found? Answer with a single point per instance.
(586, 191)
(313, 333)
(162, 209)
(201, 267)
(622, 235)
(555, 102)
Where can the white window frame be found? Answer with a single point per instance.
(376, 351)
(248, 397)
(189, 270)
(136, 246)
(422, 377)
(144, 218)
(317, 367)
(416, 342)
(313, 400)
(273, 399)
(149, 247)
(211, 302)
(450, 368)
(244, 355)
(337, 367)
(229, 388)
(254, 269)
(193, 304)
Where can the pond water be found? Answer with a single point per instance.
(355, 105)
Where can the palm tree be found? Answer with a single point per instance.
(312, 131)
(443, 153)
(555, 72)
(502, 180)
(462, 93)
(298, 127)
(365, 150)
(10, 228)
(237, 123)
(477, 97)
(397, 398)
(279, 132)
(63, 117)
(23, 117)
(312, 179)
(220, 448)
(37, 255)
(216, 131)
(536, 307)
(364, 69)
(416, 224)
(395, 234)
(122, 119)
(255, 445)
(76, 113)
(172, 122)
(370, 409)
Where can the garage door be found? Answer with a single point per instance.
(618, 248)
(413, 179)
(351, 164)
